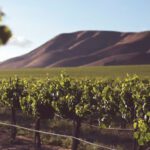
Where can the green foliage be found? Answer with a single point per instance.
(142, 133)
(38, 99)
(5, 32)
(11, 91)
(125, 101)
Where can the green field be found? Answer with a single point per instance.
(142, 71)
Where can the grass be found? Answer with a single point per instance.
(142, 71)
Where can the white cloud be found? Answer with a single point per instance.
(20, 42)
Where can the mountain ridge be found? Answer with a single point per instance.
(87, 48)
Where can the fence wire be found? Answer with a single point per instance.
(55, 134)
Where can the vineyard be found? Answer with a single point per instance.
(99, 72)
(108, 103)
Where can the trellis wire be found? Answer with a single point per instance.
(55, 134)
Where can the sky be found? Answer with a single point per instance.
(34, 22)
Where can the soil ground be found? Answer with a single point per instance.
(22, 143)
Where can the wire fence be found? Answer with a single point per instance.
(55, 134)
(98, 127)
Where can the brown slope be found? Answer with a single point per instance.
(87, 48)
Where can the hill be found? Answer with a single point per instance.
(87, 48)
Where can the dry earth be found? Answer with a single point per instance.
(87, 48)
(22, 143)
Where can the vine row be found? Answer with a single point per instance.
(109, 102)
